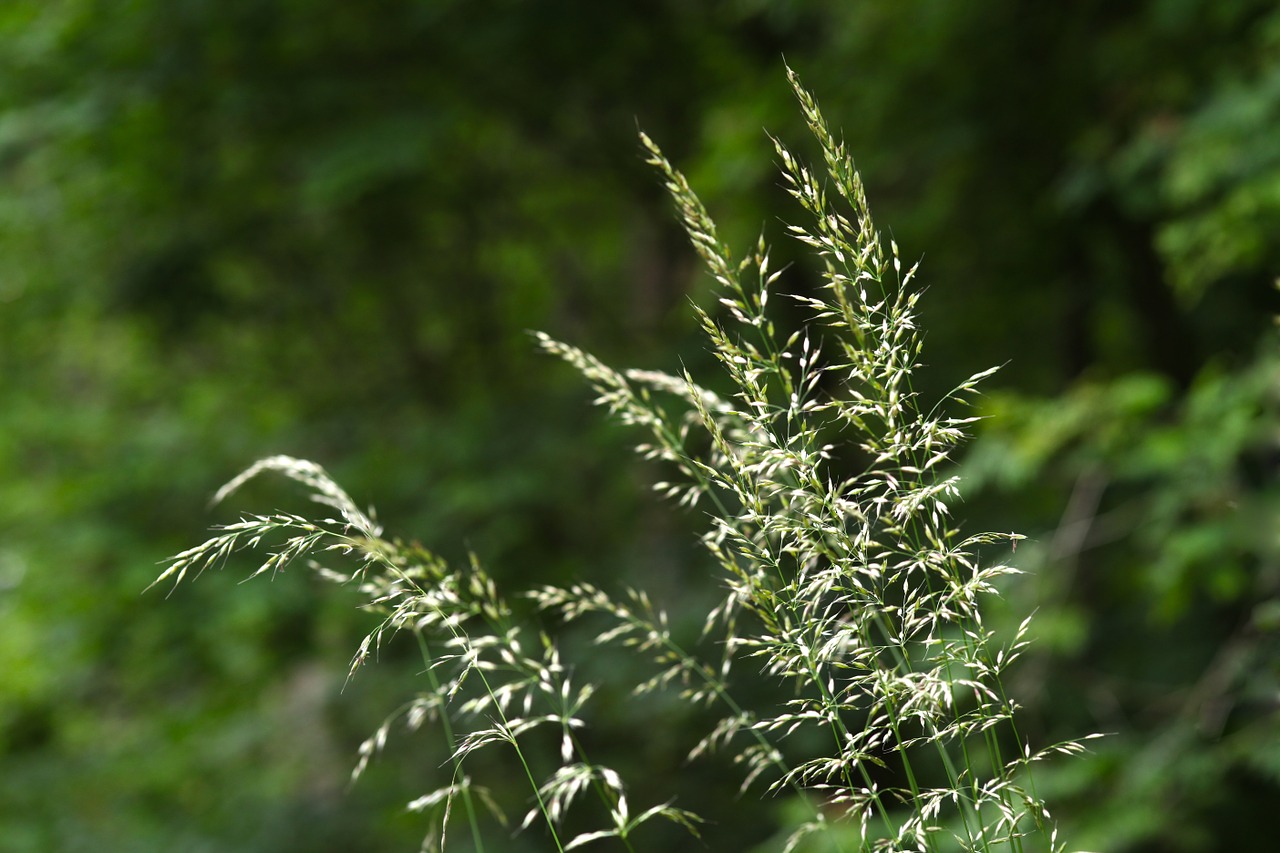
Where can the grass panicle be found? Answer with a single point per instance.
(856, 593)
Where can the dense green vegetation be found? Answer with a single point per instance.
(240, 228)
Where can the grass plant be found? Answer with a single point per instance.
(857, 593)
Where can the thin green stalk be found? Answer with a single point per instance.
(841, 734)
(447, 727)
(515, 744)
(606, 795)
(903, 660)
(458, 633)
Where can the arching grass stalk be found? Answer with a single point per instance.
(451, 742)
(483, 674)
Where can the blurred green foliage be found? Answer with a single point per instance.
(254, 226)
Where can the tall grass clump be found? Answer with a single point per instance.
(847, 584)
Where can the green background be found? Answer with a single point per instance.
(237, 228)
